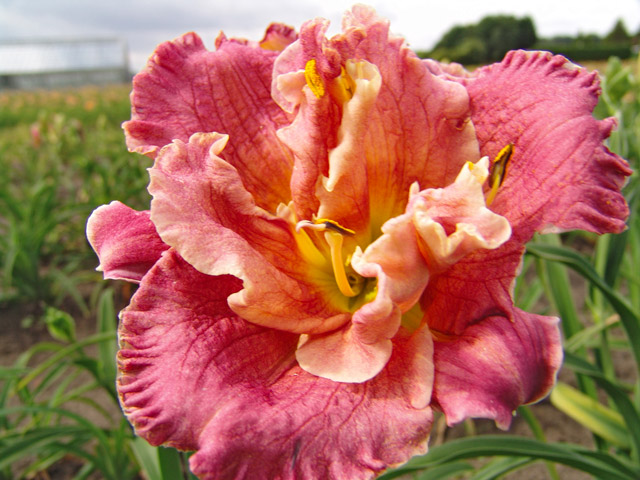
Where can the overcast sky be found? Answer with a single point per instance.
(145, 23)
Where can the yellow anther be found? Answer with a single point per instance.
(313, 78)
(499, 171)
(333, 225)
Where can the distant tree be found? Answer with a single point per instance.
(456, 35)
(487, 41)
(502, 33)
(618, 34)
(586, 40)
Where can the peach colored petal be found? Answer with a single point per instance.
(454, 221)
(201, 208)
(423, 134)
(344, 193)
(438, 229)
(341, 356)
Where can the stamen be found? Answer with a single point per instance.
(333, 235)
(335, 244)
(499, 171)
(313, 78)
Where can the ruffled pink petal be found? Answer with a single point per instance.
(186, 89)
(202, 209)
(418, 129)
(236, 396)
(126, 241)
(311, 427)
(561, 176)
(477, 286)
(495, 366)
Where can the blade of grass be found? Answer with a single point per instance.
(605, 466)
(629, 318)
(62, 353)
(625, 407)
(437, 472)
(500, 466)
(599, 419)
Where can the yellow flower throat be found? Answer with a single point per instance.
(349, 285)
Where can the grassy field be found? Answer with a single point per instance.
(62, 154)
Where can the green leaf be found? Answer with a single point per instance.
(33, 441)
(107, 350)
(147, 457)
(500, 466)
(170, 465)
(615, 256)
(60, 324)
(593, 415)
(559, 290)
(625, 407)
(510, 445)
(62, 354)
(586, 337)
(435, 473)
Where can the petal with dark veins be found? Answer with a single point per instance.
(125, 240)
(233, 386)
(496, 365)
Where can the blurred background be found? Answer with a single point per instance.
(65, 76)
(137, 26)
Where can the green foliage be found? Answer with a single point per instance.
(617, 43)
(577, 52)
(485, 42)
(62, 154)
(38, 396)
(618, 33)
(60, 324)
(491, 38)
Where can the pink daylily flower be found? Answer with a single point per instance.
(330, 250)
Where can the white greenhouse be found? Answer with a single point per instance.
(61, 63)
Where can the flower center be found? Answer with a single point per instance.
(349, 282)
